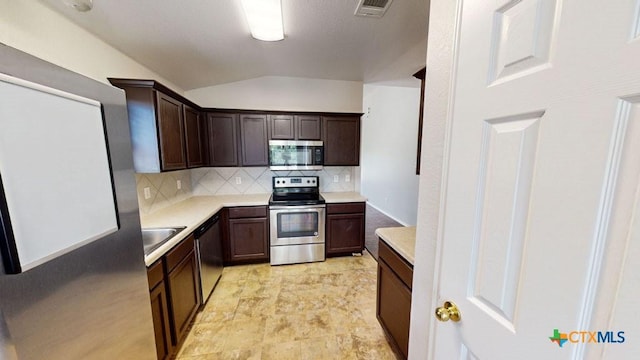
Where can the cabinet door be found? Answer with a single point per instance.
(393, 307)
(223, 139)
(308, 127)
(248, 239)
(253, 134)
(160, 310)
(171, 133)
(345, 233)
(184, 295)
(193, 130)
(281, 127)
(161, 327)
(341, 136)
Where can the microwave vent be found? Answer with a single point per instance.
(372, 8)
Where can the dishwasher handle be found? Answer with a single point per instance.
(206, 226)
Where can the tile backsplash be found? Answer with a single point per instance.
(163, 188)
(257, 180)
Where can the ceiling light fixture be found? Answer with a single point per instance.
(264, 18)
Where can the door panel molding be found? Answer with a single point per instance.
(504, 187)
(619, 197)
(522, 39)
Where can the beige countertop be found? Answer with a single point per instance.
(194, 211)
(339, 197)
(401, 239)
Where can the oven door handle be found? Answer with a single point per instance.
(297, 208)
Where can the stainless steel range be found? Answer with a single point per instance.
(297, 213)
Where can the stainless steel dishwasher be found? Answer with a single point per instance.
(210, 261)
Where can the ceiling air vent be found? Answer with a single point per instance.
(372, 8)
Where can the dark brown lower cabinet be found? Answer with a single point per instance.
(183, 287)
(393, 305)
(174, 288)
(160, 310)
(345, 228)
(248, 235)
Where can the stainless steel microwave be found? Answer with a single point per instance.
(295, 155)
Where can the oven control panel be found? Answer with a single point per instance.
(296, 182)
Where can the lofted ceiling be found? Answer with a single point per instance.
(198, 43)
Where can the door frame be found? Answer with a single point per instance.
(442, 51)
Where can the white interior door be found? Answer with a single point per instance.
(543, 165)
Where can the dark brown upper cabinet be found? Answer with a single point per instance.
(194, 129)
(295, 127)
(253, 135)
(157, 125)
(281, 127)
(223, 139)
(341, 136)
(170, 132)
(308, 127)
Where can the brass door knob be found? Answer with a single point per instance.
(448, 311)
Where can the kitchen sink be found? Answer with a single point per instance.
(153, 238)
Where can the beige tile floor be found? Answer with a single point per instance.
(323, 310)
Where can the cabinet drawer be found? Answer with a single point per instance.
(155, 274)
(247, 212)
(346, 208)
(396, 263)
(179, 252)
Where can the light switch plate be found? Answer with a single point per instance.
(336, 178)
(179, 184)
(238, 180)
(147, 193)
(347, 178)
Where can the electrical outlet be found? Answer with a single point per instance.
(347, 178)
(147, 193)
(179, 184)
(238, 180)
(336, 178)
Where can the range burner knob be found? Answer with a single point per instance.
(308, 181)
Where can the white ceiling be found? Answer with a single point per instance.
(198, 43)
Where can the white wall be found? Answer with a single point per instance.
(388, 150)
(282, 93)
(33, 28)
